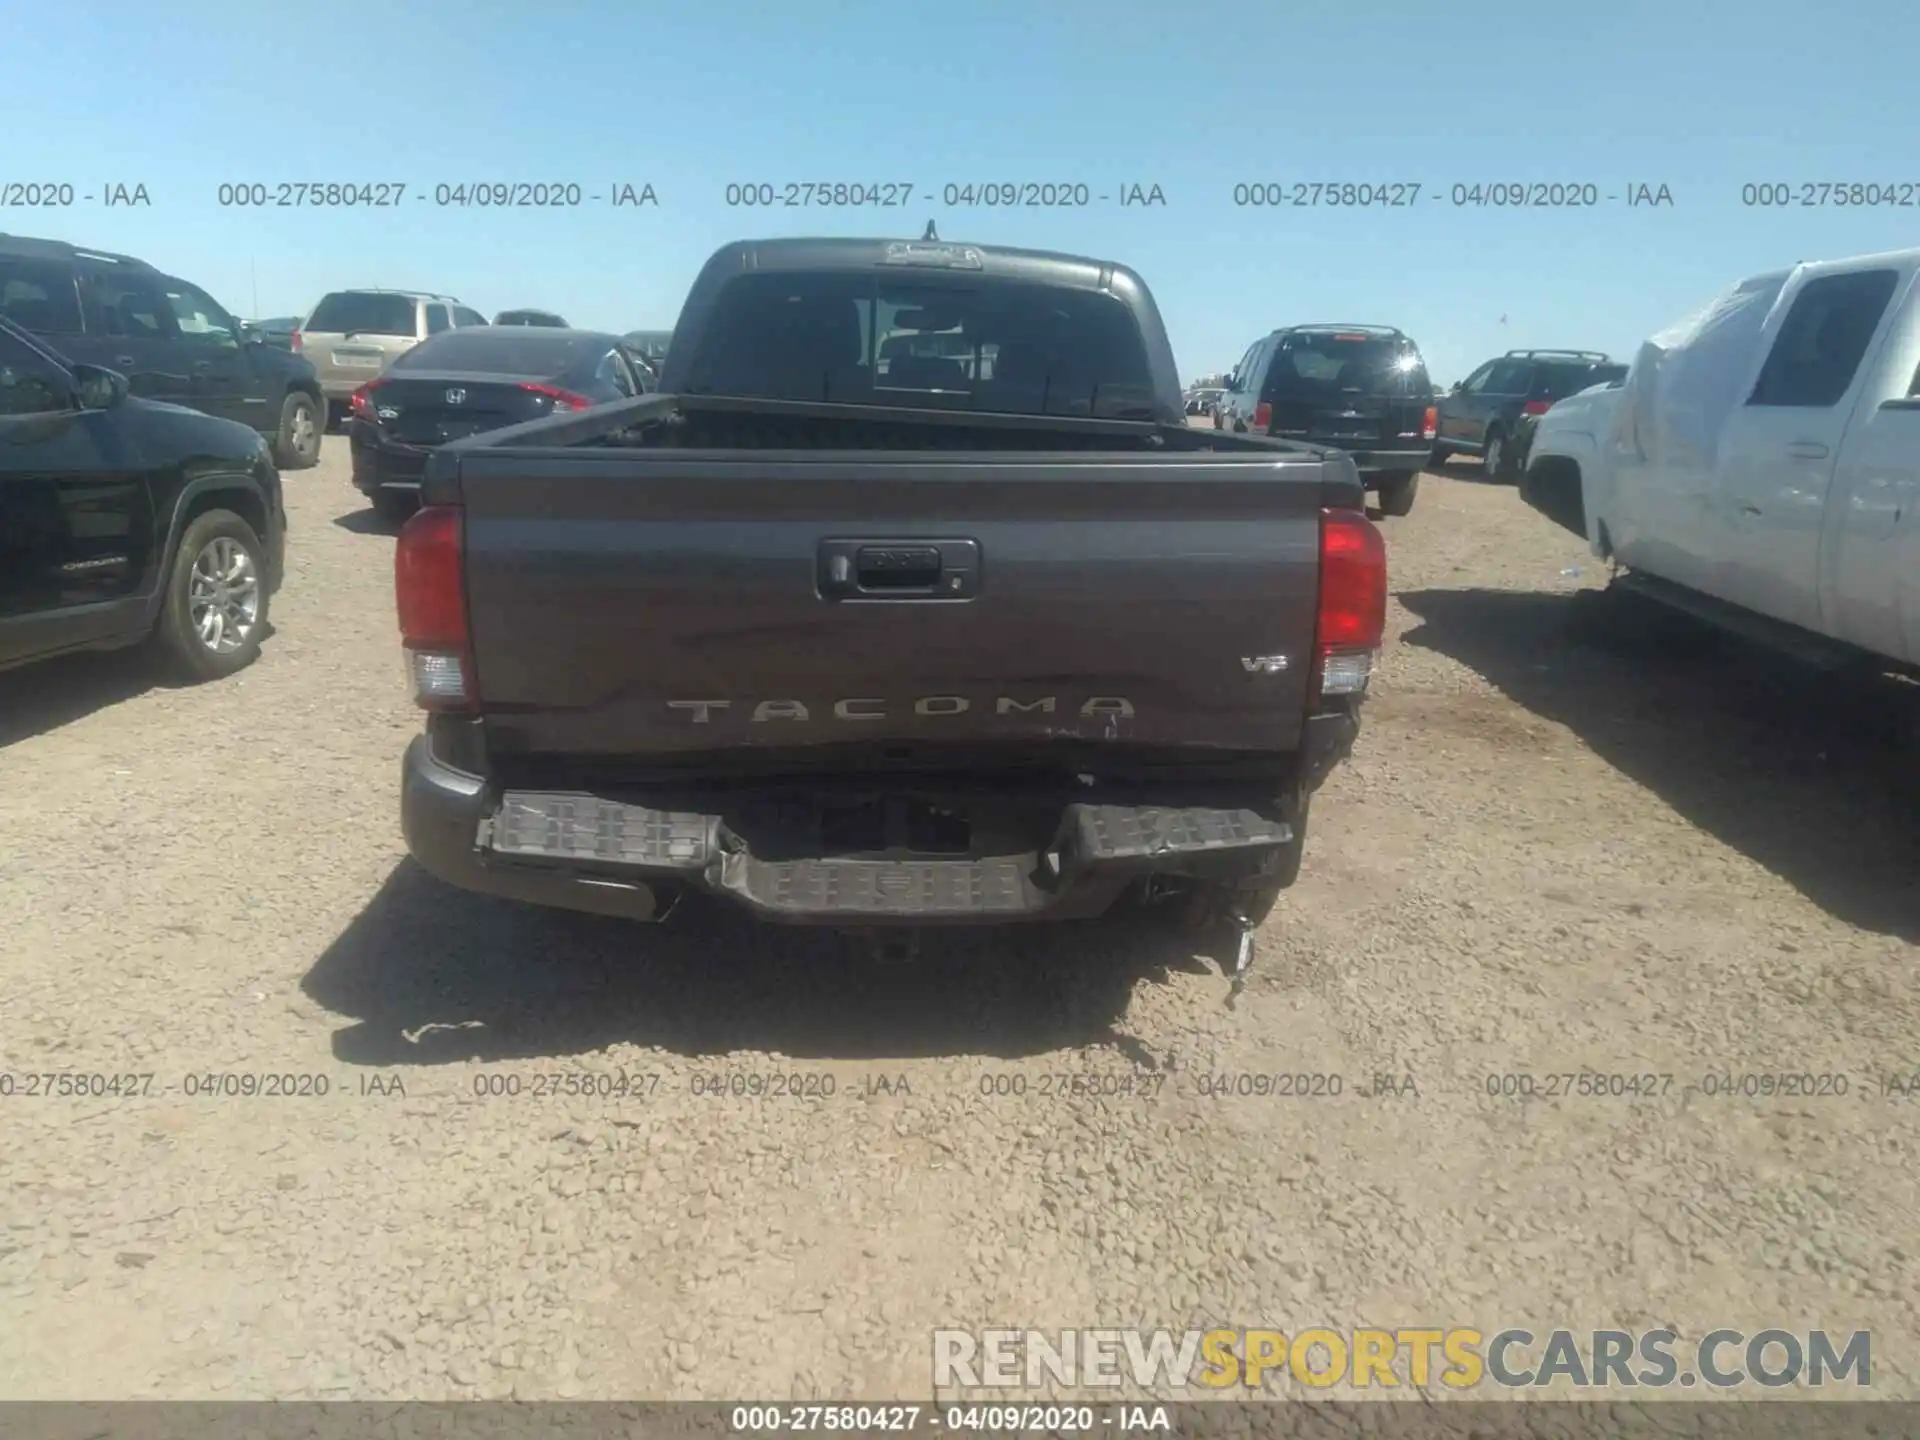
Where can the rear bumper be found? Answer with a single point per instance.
(581, 852)
(1372, 464)
(379, 467)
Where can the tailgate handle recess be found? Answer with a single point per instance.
(899, 569)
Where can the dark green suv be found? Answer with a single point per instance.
(1492, 412)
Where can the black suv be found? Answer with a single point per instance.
(171, 340)
(1358, 388)
(122, 520)
(1493, 411)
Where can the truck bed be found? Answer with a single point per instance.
(658, 596)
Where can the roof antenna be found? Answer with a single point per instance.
(929, 235)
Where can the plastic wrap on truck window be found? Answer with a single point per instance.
(1686, 379)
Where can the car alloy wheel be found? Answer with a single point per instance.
(223, 595)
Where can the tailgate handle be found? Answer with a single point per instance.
(899, 569)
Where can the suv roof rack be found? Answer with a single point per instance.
(26, 246)
(383, 290)
(1598, 356)
(1367, 329)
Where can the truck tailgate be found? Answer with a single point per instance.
(633, 602)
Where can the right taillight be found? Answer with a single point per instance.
(562, 399)
(1536, 407)
(430, 591)
(1430, 423)
(1353, 602)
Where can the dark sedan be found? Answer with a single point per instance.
(277, 332)
(650, 343)
(463, 381)
(530, 317)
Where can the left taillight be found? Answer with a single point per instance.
(294, 342)
(361, 402)
(1430, 423)
(430, 592)
(1352, 618)
(1536, 407)
(562, 399)
(1262, 416)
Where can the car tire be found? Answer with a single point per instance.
(1219, 905)
(217, 550)
(1397, 492)
(1437, 459)
(394, 505)
(297, 445)
(1497, 456)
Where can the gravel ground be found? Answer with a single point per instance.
(1544, 857)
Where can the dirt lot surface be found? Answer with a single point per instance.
(1546, 857)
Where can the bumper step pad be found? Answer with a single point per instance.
(1138, 832)
(997, 886)
(587, 830)
(581, 827)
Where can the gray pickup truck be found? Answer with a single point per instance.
(910, 600)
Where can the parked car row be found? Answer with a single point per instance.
(1365, 389)
(172, 341)
(125, 515)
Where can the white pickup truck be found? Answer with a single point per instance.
(1759, 466)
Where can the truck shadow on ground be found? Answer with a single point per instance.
(1816, 778)
(48, 694)
(366, 521)
(52, 693)
(1471, 470)
(435, 975)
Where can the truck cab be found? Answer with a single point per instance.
(1763, 456)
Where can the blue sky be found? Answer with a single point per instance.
(1699, 95)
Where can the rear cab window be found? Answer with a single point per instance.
(359, 312)
(39, 296)
(978, 343)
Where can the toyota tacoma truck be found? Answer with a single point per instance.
(969, 628)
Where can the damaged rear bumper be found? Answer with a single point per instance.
(585, 852)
